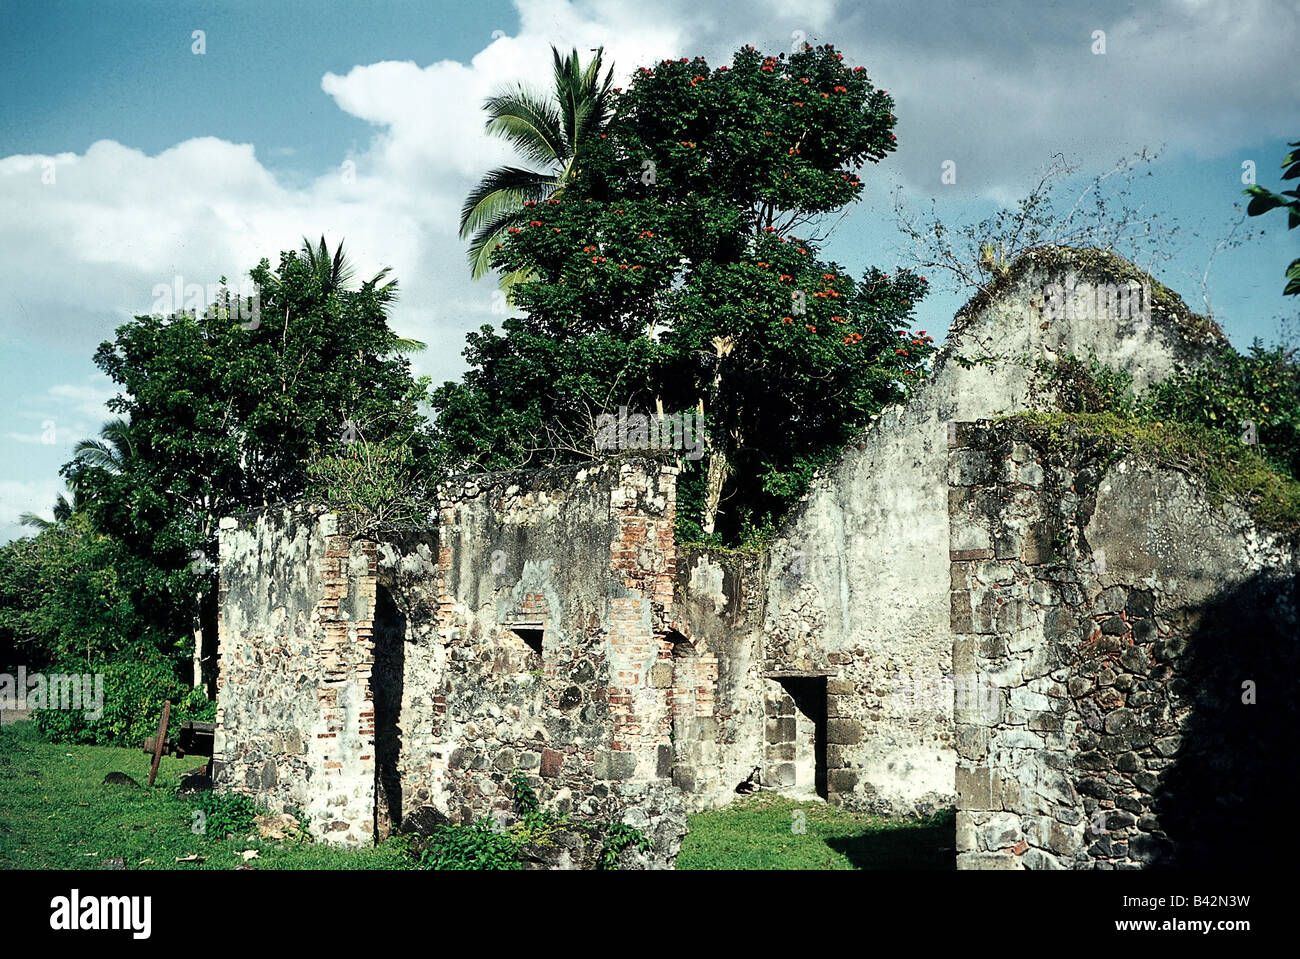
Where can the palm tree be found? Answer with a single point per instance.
(62, 510)
(112, 451)
(548, 132)
(333, 273)
(108, 453)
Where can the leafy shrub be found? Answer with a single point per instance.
(526, 803)
(380, 485)
(1088, 387)
(1260, 387)
(226, 814)
(134, 693)
(1232, 421)
(622, 836)
(476, 846)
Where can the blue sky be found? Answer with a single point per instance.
(169, 162)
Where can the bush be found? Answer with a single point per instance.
(226, 814)
(622, 836)
(134, 693)
(1260, 387)
(482, 845)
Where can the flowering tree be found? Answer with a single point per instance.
(680, 271)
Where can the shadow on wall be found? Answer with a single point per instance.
(388, 677)
(1227, 798)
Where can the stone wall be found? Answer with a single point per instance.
(582, 562)
(545, 622)
(858, 581)
(295, 719)
(1110, 623)
(527, 629)
(718, 609)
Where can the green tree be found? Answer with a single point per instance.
(549, 133)
(226, 416)
(665, 276)
(73, 594)
(111, 451)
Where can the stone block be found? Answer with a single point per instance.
(843, 732)
(663, 761)
(782, 731)
(841, 780)
(1036, 859)
(839, 756)
(959, 616)
(780, 752)
(974, 787)
(988, 860)
(967, 467)
(965, 832)
(972, 742)
(1063, 839)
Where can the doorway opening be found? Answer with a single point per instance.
(386, 683)
(795, 741)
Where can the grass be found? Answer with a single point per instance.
(758, 833)
(56, 814)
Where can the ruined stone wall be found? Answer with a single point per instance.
(295, 721)
(527, 629)
(858, 580)
(1110, 624)
(581, 561)
(718, 731)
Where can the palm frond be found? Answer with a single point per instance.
(491, 233)
(404, 346)
(112, 451)
(530, 124)
(503, 188)
(35, 522)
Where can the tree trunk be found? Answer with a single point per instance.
(715, 476)
(198, 644)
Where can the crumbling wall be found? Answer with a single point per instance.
(1110, 625)
(858, 580)
(585, 558)
(528, 629)
(719, 726)
(295, 723)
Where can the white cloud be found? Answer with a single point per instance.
(30, 496)
(996, 91)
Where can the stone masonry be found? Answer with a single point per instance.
(954, 615)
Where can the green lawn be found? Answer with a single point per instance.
(758, 832)
(55, 814)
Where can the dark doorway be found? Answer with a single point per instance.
(796, 734)
(386, 685)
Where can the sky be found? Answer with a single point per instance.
(149, 139)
